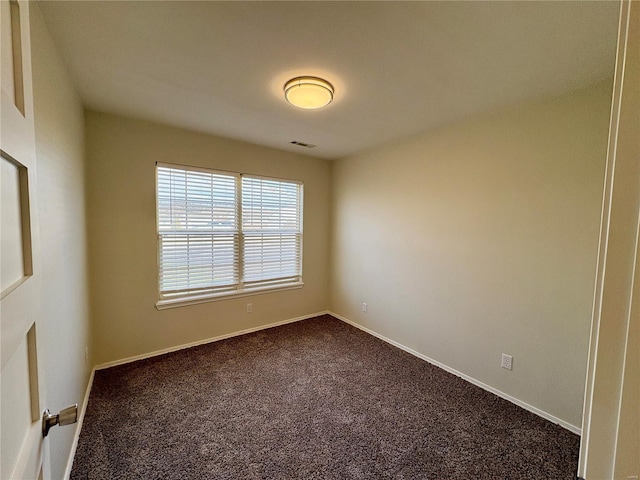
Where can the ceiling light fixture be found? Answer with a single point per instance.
(308, 92)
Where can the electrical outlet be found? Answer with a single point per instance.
(86, 354)
(364, 307)
(249, 307)
(507, 361)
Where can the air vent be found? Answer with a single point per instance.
(302, 144)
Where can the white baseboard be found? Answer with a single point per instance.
(207, 340)
(76, 436)
(520, 403)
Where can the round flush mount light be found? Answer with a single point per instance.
(308, 92)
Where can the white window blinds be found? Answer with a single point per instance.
(198, 231)
(271, 231)
(221, 233)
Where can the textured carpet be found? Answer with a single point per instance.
(316, 399)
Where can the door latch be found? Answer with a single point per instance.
(66, 417)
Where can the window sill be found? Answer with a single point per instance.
(195, 300)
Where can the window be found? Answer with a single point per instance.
(225, 234)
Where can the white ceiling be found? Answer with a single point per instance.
(399, 68)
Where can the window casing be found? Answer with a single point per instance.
(223, 234)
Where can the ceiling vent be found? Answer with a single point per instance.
(302, 144)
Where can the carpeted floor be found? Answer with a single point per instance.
(316, 399)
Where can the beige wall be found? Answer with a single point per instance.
(122, 230)
(64, 326)
(481, 238)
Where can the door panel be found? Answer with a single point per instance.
(6, 49)
(16, 420)
(21, 442)
(11, 269)
(15, 225)
(20, 410)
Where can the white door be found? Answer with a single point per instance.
(22, 445)
(610, 442)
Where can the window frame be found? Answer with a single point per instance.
(241, 291)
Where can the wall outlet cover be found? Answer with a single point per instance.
(507, 361)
